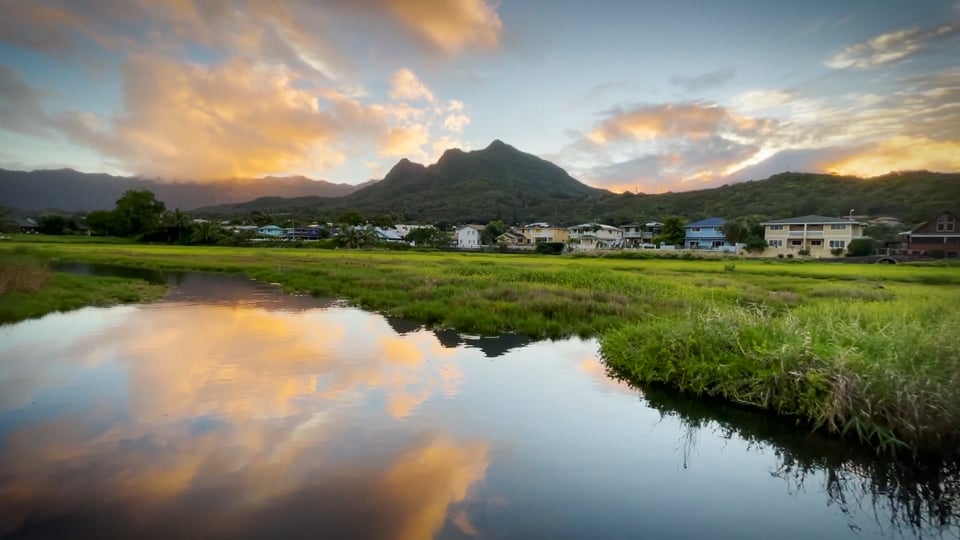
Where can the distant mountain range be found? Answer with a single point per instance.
(498, 182)
(69, 190)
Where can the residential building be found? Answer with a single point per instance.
(468, 237)
(271, 230)
(404, 229)
(28, 226)
(385, 234)
(312, 232)
(818, 236)
(707, 234)
(636, 235)
(941, 233)
(514, 239)
(590, 236)
(542, 232)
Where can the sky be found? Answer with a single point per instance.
(645, 96)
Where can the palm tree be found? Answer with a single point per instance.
(205, 232)
(357, 237)
(177, 220)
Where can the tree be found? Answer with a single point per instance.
(493, 230)
(55, 225)
(429, 237)
(175, 223)
(351, 218)
(205, 232)
(384, 220)
(101, 222)
(357, 237)
(673, 232)
(746, 230)
(138, 213)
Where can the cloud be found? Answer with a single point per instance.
(450, 25)
(890, 47)
(21, 110)
(692, 120)
(404, 85)
(698, 83)
(900, 153)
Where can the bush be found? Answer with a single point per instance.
(779, 255)
(550, 248)
(861, 247)
(789, 255)
(837, 251)
(803, 252)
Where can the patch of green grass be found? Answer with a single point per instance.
(28, 289)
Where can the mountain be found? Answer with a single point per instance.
(69, 190)
(496, 182)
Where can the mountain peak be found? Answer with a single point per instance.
(497, 144)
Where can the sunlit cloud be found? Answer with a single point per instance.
(900, 153)
(404, 85)
(451, 25)
(890, 47)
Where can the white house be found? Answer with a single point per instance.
(468, 236)
(590, 236)
(405, 228)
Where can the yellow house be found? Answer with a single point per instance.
(543, 232)
(817, 236)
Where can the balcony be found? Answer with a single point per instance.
(808, 234)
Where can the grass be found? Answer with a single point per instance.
(869, 351)
(28, 290)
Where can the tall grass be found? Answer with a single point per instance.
(888, 376)
(22, 274)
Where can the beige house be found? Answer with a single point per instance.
(817, 236)
(543, 232)
(591, 236)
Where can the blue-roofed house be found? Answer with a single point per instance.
(271, 230)
(707, 234)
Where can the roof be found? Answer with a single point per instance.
(934, 218)
(595, 226)
(389, 234)
(709, 222)
(812, 219)
(28, 222)
(541, 224)
(472, 226)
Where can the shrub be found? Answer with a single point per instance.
(779, 255)
(729, 267)
(861, 247)
(789, 255)
(837, 251)
(550, 248)
(803, 251)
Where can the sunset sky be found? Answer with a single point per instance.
(640, 95)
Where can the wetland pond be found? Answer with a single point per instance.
(231, 410)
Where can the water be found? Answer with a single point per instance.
(229, 410)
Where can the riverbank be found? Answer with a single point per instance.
(864, 350)
(29, 290)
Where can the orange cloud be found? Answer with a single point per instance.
(451, 25)
(406, 141)
(900, 154)
(693, 120)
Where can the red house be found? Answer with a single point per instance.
(940, 235)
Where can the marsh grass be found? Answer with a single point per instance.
(29, 289)
(869, 351)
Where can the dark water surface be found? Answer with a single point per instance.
(229, 410)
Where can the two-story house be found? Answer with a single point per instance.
(543, 232)
(940, 234)
(636, 235)
(271, 230)
(590, 236)
(468, 236)
(820, 236)
(706, 234)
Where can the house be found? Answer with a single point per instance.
(311, 232)
(820, 236)
(386, 234)
(28, 226)
(636, 235)
(404, 229)
(543, 232)
(468, 237)
(271, 230)
(590, 236)
(940, 234)
(514, 239)
(707, 234)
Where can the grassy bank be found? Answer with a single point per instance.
(28, 289)
(867, 350)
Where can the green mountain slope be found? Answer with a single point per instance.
(501, 182)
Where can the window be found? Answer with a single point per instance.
(775, 243)
(816, 242)
(838, 226)
(837, 244)
(796, 243)
(946, 224)
(776, 227)
(695, 229)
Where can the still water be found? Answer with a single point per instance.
(230, 410)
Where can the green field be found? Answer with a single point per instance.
(867, 350)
